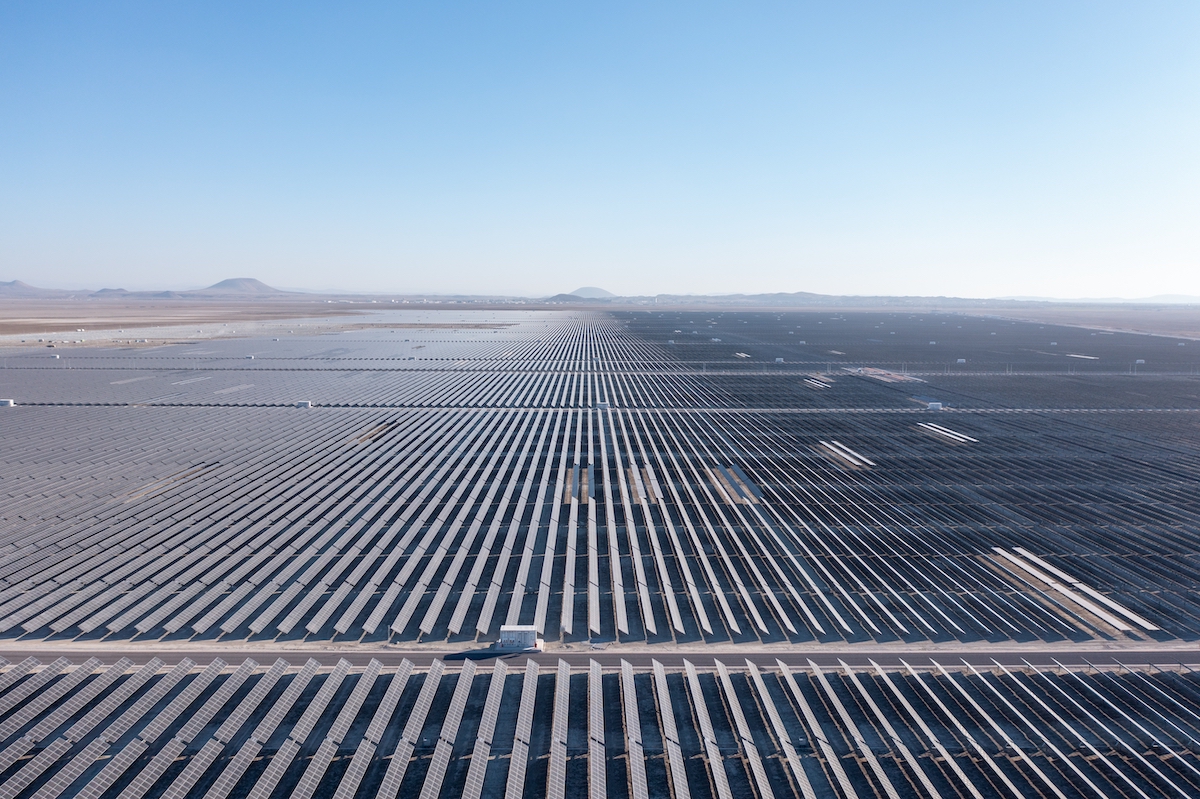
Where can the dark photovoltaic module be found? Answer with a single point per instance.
(771, 554)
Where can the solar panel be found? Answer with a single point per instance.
(556, 784)
(491, 707)
(357, 769)
(473, 784)
(593, 572)
(517, 763)
(149, 775)
(479, 757)
(665, 709)
(233, 771)
(297, 613)
(167, 608)
(213, 592)
(528, 695)
(595, 702)
(365, 595)
(743, 729)
(633, 733)
(113, 770)
(781, 733)
(735, 707)
(215, 702)
(705, 561)
(112, 701)
(458, 703)
(15, 751)
(250, 702)
(397, 766)
(72, 770)
(349, 711)
(416, 719)
(48, 601)
(16, 672)
(562, 696)
(382, 607)
(633, 726)
(566, 620)
(209, 619)
(138, 592)
(275, 769)
(316, 707)
(693, 679)
(38, 705)
(671, 734)
(833, 699)
(716, 766)
(637, 770)
(18, 782)
(306, 786)
(387, 705)
(281, 707)
(246, 608)
(181, 702)
(489, 607)
(148, 700)
(32, 685)
(556, 781)
(55, 610)
(432, 785)
(318, 621)
(894, 737)
(814, 730)
(519, 588)
(285, 598)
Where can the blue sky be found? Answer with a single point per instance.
(973, 149)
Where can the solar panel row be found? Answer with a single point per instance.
(776, 732)
(393, 529)
(571, 471)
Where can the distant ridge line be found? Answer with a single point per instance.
(229, 288)
(248, 288)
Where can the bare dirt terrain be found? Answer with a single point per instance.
(33, 316)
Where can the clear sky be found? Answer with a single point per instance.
(967, 148)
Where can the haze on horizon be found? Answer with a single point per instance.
(525, 149)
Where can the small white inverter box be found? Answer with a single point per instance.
(519, 637)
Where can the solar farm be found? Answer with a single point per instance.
(771, 554)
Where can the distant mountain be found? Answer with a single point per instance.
(593, 293)
(229, 289)
(239, 285)
(250, 289)
(15, 288)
